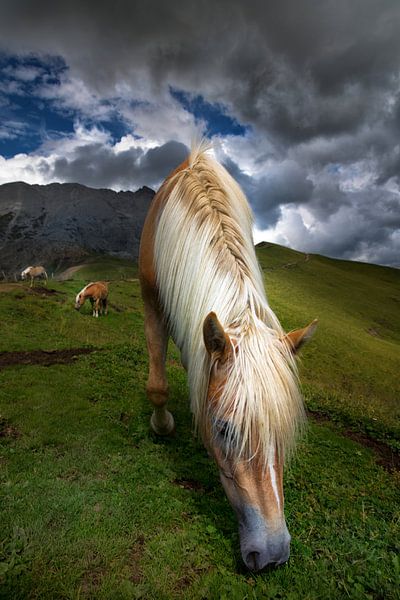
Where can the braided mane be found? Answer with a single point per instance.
(205, 261)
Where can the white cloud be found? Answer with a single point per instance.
(322, 116)
(89, 156)
(23, 72)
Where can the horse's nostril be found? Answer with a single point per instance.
(253, 561)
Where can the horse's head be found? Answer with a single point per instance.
(79, 300)
(25, 273)
(252, 482)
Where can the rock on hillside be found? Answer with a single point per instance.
(62, 222)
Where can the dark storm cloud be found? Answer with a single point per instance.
(270, 212)
(327, 198)
(318, 80)
(342, 234)
(295, 69)
(284, 184)
(390, 167)
(97, 165)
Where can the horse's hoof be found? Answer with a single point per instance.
(167, 427)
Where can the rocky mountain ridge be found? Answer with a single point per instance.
(64, 222)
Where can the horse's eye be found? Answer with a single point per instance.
(221, 428)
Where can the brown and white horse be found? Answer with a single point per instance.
(202, 285)
(34, 273)
(97, 293)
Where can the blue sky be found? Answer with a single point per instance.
(302, 104)
(31, 113)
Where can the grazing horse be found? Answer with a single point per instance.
(34, 273)
(201, 285)
(97, 293)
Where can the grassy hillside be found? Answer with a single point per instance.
(93, 505)
(350, 370)
(98, 267)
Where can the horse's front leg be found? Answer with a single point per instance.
(162, 421)
(96, 307)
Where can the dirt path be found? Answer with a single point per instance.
(42, 357)
(67, 274)
(385, 456)
(289, 265)
(40, 290)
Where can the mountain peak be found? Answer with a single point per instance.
(49, 223)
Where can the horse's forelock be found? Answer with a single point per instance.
(260, 401)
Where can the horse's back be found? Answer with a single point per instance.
(147, 273)
(104, 289)
(37, 271)
(99, 289)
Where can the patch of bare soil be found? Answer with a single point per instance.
(135, 558)
(7, 430)
(187, 580)
(318, 416)
(188, 484)
(42, 357)
(385, 456)
(45, 291)
(94, 575)
(373, 332)
(115, 307)
(38, 290)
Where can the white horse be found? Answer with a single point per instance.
(202, 285)
(34, 273)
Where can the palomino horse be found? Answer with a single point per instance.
(202, 285)
(97, 293)
(34, 273)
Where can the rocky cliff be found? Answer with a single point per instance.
(61, 223)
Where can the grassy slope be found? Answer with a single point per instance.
(93, 506)
(350, 370)
(97, 268)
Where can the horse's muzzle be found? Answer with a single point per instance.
(260, 544)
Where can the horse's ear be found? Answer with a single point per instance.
(215, 338)
(297, 338)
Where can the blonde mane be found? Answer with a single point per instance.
(83, 290)
(205, 261)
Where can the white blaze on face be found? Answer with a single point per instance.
(272, 474)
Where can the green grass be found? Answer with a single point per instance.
(93, 505)
(350, 370)
(96, 267)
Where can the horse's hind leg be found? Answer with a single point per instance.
(162, 421)
(105, 306)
